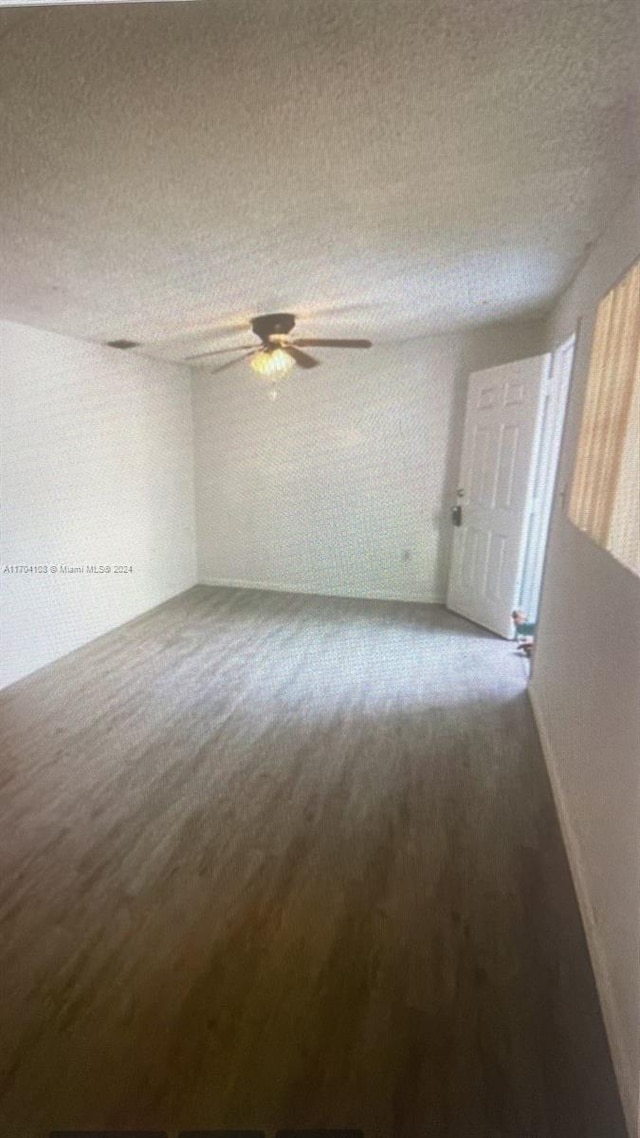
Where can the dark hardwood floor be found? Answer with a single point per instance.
(280, 861)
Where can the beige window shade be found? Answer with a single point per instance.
(605, 490)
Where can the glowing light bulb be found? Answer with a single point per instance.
(273, 363)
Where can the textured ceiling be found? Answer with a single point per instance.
(379, 167)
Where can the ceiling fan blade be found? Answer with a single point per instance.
(333, 343)
(221, 351)
(301, 358)
(231, 363)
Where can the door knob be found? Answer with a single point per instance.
(456, 515)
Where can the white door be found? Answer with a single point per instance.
(552, 425)
(501, 435)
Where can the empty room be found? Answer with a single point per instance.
(320, 569)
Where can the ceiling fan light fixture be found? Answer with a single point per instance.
(274, 364)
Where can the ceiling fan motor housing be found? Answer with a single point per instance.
(274, 324)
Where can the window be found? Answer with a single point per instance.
(605, 492)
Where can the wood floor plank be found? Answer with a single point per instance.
(277, 861)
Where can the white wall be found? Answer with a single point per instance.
(343, 485)
(97, 466)
(585, 695)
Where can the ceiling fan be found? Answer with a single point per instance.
(276, 353)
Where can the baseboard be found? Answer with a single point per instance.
(285, 587)
(606, 994)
